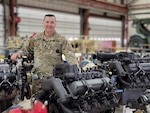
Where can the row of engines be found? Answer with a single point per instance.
(120, 78)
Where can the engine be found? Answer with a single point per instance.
(128, 72)
(119, 79)
(71, 92)
(13, 82)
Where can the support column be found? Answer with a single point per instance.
(13, 16)
(4, 18)
(124, 30)
(85, 22)
(84, 15)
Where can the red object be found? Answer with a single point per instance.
(107, 45)
(19, 110)
(18, 19)
(34, 34)
(38, 107)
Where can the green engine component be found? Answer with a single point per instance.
(142, 38)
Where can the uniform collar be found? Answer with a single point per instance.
(50, 37)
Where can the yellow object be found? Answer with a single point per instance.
(88, 45)
(138, 111)
(110, 73)
(14, 42)
(2, 56)
(84, 45)
(87, 64)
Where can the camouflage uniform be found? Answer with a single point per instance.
(47, 52)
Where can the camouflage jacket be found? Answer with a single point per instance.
(47, 52)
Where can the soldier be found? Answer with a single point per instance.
(46, 49)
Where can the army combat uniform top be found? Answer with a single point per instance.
(47, 52)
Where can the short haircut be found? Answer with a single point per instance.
(49, 15)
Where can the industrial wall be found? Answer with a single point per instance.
(68, 25)
(32, 18)
(1, 26)
(105, 29)
(1, 30)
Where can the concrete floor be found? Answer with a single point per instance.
(26, 104)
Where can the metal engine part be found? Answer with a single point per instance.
(13, 83)
(71, 92)
(129, 73)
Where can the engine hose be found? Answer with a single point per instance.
(124, 82)
(59, 90)
(55, 84)
(65, 109)
(121, 72)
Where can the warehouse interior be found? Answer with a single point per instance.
(99, 31)
(103, 20)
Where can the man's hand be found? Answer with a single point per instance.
(15, 56)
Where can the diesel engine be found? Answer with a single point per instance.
(128, 72)
(69, 91)
(118, 79)
(13, 82)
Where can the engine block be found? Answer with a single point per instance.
(128, 71)
(71, 91)
(13, 83)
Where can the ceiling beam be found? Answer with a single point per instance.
(102, 5)
(106, 16)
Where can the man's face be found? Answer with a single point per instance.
(49, 24)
